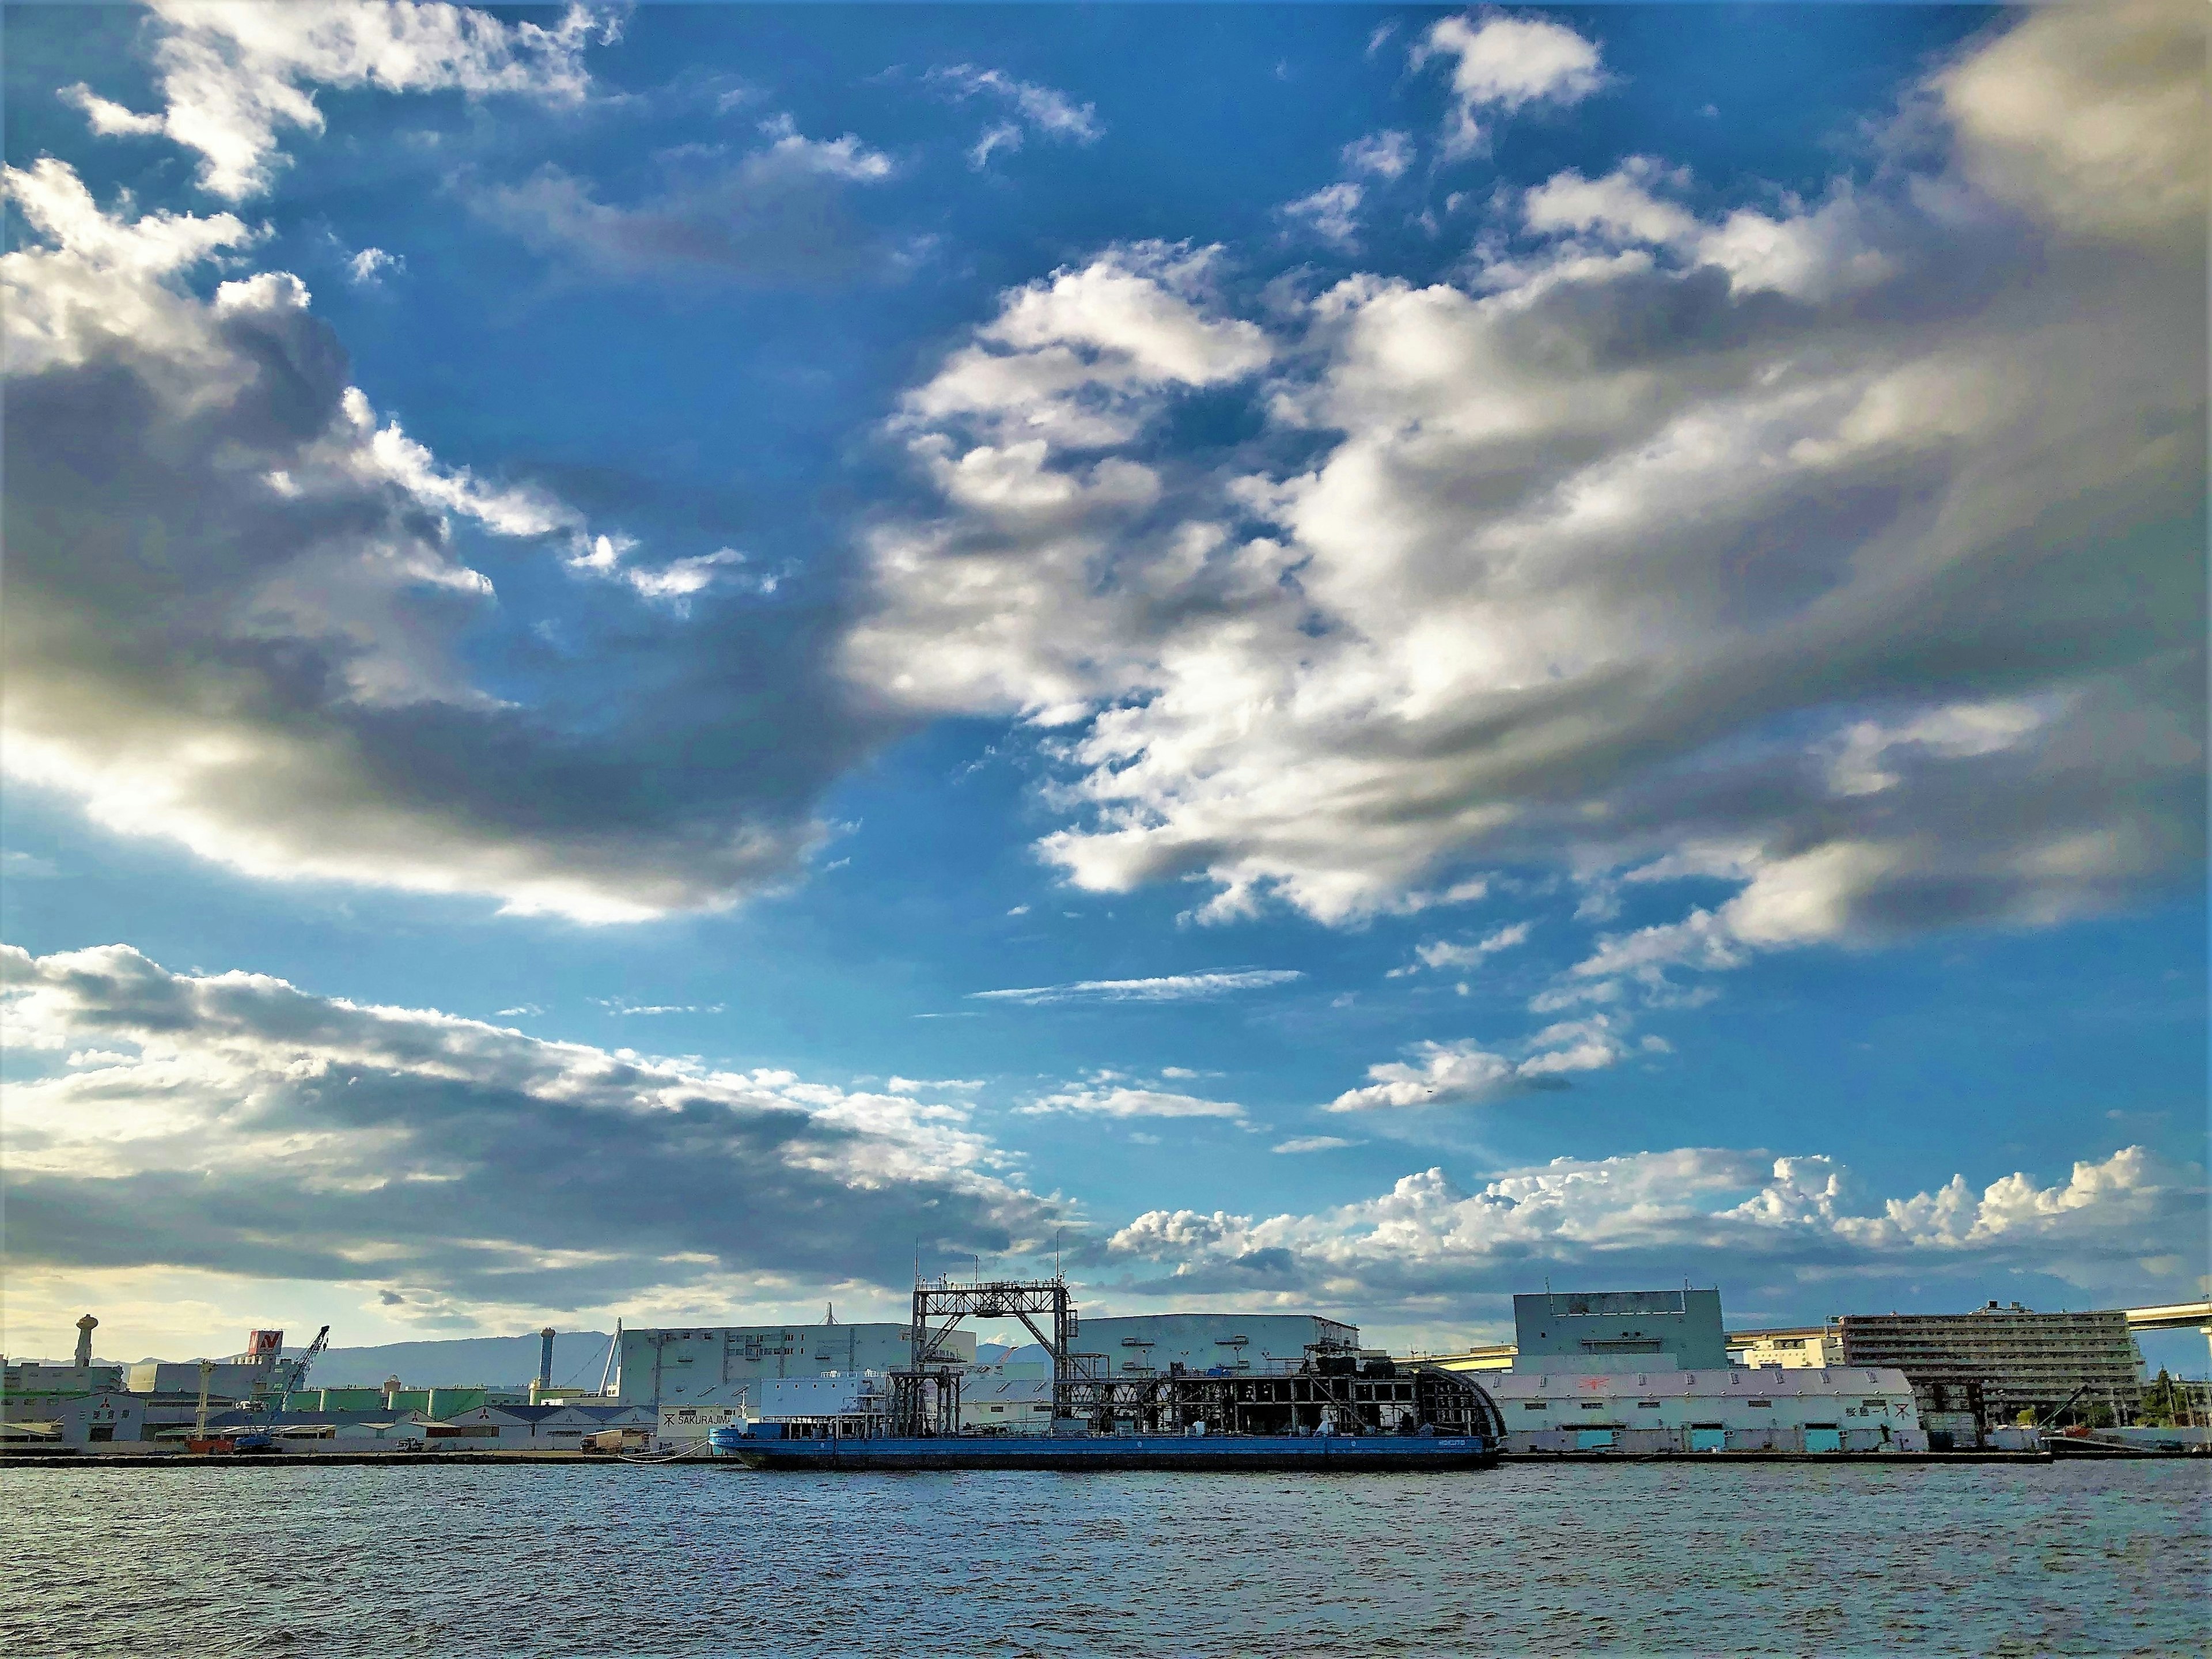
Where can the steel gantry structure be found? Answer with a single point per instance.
(1335, 1389)
(925, 1398)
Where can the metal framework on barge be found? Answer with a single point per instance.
(1335, 1391)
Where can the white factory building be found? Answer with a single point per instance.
(1254, 1345)
(723, 1365)
(1646, 1371)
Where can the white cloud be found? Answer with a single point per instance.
(1332, 212)
(1443, 953)
(369, 268)
(1504, 64)
(1465, 1073)
(233, 1122)
(1386, 154)
(1033, 107)
(1297, 1143)
(1168, 987)
(1617, 547)
(1107, 1099)
(1756, 1217)
(233, 75)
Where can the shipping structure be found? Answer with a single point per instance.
(1340, 1409)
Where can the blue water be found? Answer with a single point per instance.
(643, 1562)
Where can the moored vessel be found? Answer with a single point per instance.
(1338, 1411)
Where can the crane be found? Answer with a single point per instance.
(285, 1377)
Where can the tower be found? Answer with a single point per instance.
(84, 1341)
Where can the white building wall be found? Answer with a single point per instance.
(1017, 1399)
(225, 1382)
(1770, 1409)
(1257, 1345)
(724, 1365)
(83, 1419)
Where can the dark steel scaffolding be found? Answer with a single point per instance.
(925, 1398)
(1336, 1389)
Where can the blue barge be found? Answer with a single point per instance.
(1320, 1453)
(1340, 1411)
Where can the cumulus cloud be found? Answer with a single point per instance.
(1504, 64)
(1429, 1245)
(1826, 532)
(1031, 106)
(774, 213)
(234, 1123)
(1446, 953)
(369, 268)
(1465, 1073)
(1387, 154)
(232, 74)
(1167, 988)
(238, 599)
(1331, 212)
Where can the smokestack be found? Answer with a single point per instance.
(84, 1341)
(545, 1358)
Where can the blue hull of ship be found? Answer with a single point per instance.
(1316, 1454)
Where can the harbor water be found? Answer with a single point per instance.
(621, 1560)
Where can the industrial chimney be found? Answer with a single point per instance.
(84, 1341)
(545, 1358)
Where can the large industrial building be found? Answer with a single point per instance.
(1259, 1345)
(1725, 1408)
(2010, 1359)
(1646, 1371)
(724, 1365)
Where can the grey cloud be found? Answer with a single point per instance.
(237, 604)
(780, 213)
(1616, 549)
(262, 1130)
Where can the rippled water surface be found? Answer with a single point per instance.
(2088, 1559)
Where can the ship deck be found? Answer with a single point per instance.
(1319, 1453)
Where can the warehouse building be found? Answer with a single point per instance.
(724, 1365)
(1632, 1372)
(2007, 1360)
(1730, 1409)
(1257, 1345)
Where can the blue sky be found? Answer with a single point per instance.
(1550, 644)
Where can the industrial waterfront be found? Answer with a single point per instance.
(1651, 1373)
(685, 1561)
